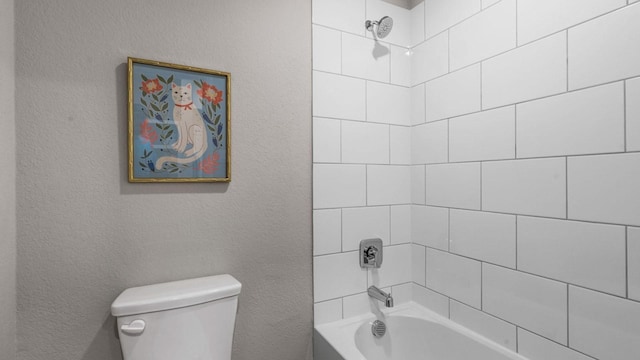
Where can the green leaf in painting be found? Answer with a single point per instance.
(155, 97)
(162, 79)
(142, 165)
(170, 133)
(198, 83)
(174, 170)
(144, 78)
(165, 106)
(217, 120)
(211, 128)
(154, 107)
(170, 79)
(143, 102)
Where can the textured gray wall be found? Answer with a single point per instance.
(85, 234)
(7, 185)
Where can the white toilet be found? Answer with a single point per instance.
(181, 320)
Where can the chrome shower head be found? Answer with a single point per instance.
(384, 26)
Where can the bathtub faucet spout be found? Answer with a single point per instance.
(378, 294)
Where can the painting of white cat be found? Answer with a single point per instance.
(178, 123)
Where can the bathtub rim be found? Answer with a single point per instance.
(334, 333)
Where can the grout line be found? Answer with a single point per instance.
(477, 210)
(368, 122)
(425, 184)
(626, 260)
(498, 106)
(449, 230)
(448, 50)
(515, 131)
(566, 187)
(341, 52)
(448, 140)
(363, 79)
(341, 124)
(366, 185)
(424, 251)
(481, 185)
(567, 315)
(516, 23)
(516, 228)
(390, 146)
(481, 102)
(493, 160)
(481, 286)
(366, 100)
(567, 54)
(341, 231)
(624, 103)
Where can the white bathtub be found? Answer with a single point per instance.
(413, 333)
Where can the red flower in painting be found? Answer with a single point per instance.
(151, 86)
(210, 93)
(210, 164)
(147, 134)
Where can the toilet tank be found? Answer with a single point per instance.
(186, 320)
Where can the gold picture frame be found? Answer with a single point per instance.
(179, 123)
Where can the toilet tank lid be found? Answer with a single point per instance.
(175, 294)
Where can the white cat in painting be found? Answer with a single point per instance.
(191, 128)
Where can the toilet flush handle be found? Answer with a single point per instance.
(136, 327)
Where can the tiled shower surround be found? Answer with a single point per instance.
(494, 146)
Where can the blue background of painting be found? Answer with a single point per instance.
(181, 78)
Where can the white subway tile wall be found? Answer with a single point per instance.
(603, 326)
(364, 223)
(557, 15)
(534, 347)
(564, 250)
(487, 135)
(483, 35)
(453, 94)
(454, 276)
(526, 300)
(547, 127)
(532, 71)
(484, 236)
(430, 59)
(494, 146)
(491, 327)
(453, 185)
(532, 187)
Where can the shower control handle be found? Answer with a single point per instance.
(371, 253)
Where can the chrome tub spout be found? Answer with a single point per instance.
(378, 294)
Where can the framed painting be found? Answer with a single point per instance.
(179, 123)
